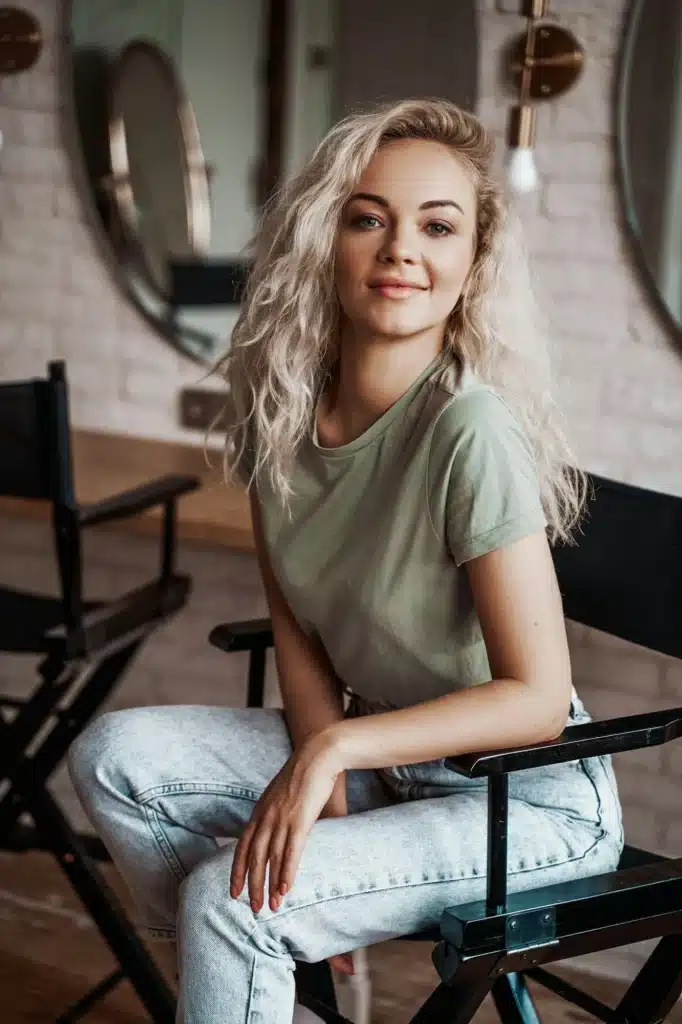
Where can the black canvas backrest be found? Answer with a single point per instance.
(35, 453)
(625, 574)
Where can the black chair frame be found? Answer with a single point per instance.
(85, 648)
(630, 589)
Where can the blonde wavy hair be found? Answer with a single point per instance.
(285, 340)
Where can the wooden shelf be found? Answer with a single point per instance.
(105, 464)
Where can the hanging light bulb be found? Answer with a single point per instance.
(544, 62)
(522, 173)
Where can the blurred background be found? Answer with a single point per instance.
(140, 139)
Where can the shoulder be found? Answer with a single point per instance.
(483, 487)
(473, 418)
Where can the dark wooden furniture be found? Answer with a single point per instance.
(83, 649)
(105, 464)
(623, 577)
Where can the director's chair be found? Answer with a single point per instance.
(84, 648)
(624, 577)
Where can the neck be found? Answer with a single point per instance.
(371, 375)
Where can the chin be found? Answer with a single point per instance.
(396, 327)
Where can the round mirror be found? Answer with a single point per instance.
(189, 112)
(649, 139)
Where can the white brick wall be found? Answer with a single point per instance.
(57, 296)
(620, 370)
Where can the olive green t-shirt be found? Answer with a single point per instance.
(372, 560)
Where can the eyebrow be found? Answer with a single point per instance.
(429, 205)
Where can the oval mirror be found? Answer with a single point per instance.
(166, 100)
(649, 142)
(189, 112)
(159, 181)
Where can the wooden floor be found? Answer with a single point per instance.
(50, 954)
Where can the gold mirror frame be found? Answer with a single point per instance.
(194, 171)
(190, 343)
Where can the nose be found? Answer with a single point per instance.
(399, 246)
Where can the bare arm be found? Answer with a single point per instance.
(310, 691)
(519, 607)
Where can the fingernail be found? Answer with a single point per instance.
(283, 888)
(255, 906)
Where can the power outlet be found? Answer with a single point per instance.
(199, 407)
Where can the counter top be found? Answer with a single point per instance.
(105, 464)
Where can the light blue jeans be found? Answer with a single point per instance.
(162, 785)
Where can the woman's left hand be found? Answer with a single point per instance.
(281, 821)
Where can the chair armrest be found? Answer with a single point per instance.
(137, 499)
(131, 615)
(610, 736)
(254, 634)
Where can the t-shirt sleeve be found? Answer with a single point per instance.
(484, 473)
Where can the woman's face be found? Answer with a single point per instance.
(406, 240)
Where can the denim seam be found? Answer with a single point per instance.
(252, 986)
(191, 788)
(279, 915)
(614, 794)
(167, 851)
(600, 806)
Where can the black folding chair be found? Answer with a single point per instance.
(84, 647)
(624, 578)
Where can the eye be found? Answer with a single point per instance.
(361, 220)
(442, 229)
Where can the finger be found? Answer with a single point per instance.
(258, 859)
(240, 861)
(278, 844)
(292, 858)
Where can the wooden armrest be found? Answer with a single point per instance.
(137, 499)
(254, 634)
(610, 736)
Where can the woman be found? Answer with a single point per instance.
(389, 411)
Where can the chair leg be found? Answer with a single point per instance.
(57, 680)
(457, 1001)
(316, 980)
(28, 777)
(136, 962)
(657, 987)
(84, 1005)
(255, 695)
(513, 1001)
(34, 771)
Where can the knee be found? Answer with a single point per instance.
(206, 885)
(101, 756)
(205, 894)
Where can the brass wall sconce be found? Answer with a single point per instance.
(21, 40)
(545, 61)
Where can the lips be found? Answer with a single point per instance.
(392, 283)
